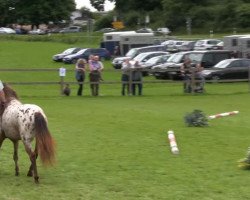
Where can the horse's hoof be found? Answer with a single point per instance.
(17, 174)
(36, 180)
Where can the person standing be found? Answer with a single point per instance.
(126, 65)
(80, 74)
(137, 79)
(186, 74)
(95, 68)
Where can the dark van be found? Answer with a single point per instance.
(209, 58)
(117, 62)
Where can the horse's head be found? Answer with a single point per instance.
(10, 94)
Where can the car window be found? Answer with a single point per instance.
(221, 56)
(208, 59)
(177, 58)
(81, 52)
(196, 57)
(69, 50)
(213, 42)
(236, 63)
(199, 43)
(131, 53)
(223, 64)
(245, 63)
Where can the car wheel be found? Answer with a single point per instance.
(215, 79)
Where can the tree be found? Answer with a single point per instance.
(43, 11)
(86, 13)
(98, 4)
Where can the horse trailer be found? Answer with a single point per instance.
(126, 40)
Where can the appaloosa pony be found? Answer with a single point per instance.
(26, 122)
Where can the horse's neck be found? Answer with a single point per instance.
(15, 102)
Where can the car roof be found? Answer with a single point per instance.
(212, 51)
(146, 47)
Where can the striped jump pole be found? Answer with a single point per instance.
(223, 114)
(172, 142)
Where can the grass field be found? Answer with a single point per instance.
(116, 148)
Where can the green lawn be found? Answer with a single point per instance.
(116, 148)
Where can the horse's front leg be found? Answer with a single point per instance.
(15, 157)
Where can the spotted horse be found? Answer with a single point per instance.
(25, 122)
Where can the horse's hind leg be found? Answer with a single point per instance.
(33, 167)
(15, 157)
(30, 172)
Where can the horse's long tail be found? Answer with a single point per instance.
(44, 140)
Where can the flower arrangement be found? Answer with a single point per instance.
(196, 118)
(245, 162)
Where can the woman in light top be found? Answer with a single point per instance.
(80, 74)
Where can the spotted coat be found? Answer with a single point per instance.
(18, 121)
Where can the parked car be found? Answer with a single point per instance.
(37, 32)
(164, 31)
(173, 45)
(106, 30)
(207, 44)
(117, 62)
(58, 57)
(71, 29)
(85, 53)
(218, 46)
(145, 30)
(208, 58)
(228, 69)
(143, 57)
(174, 62)
(157, 60)
(4, 30)
(186, 46)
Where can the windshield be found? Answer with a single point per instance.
(196, 57)
(140, 56)
(222, 64)
(176, 58)
(131, 53)
(68, 50)
(80, 52)
(154, 59)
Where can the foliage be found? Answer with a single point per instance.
(98, 4)
(104, 22)
(36, 12)
(86, 13)
(196, 118)
(205, 15)
(245, 162)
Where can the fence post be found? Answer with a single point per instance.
(249, 78)
(193, 80)
(130, 81)
(62, 74)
